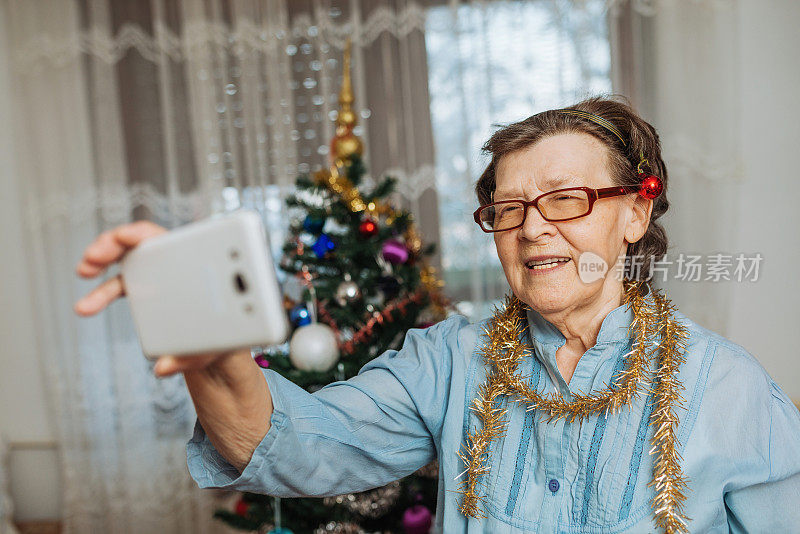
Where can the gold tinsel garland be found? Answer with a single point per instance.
(504, 351)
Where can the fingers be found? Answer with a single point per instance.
(169, 365)
(88, 268)
(110, 246)
(100, 297)
(132, 234)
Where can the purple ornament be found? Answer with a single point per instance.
(417, 520)
(395, 251)
(262, 361)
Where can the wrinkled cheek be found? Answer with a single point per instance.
(504, 251)
(587, 241)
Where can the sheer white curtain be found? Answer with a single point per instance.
(171, 111)
(121, 433)
(679, 62)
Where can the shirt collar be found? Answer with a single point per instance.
(613, 328)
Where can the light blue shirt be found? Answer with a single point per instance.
(739, 437)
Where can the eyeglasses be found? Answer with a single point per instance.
(558, 205)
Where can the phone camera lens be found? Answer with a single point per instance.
(234, 254)
(241, 285)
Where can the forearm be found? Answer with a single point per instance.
(233, 404)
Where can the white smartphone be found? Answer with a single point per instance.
(208, 286)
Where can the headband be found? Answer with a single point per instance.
(608, 126)
(651, 185)
(597, 119)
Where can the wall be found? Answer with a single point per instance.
(764, 313)
(24, 414)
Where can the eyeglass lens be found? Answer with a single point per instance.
(558, 205)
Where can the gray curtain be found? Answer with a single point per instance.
(678, 62)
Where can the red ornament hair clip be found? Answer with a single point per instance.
(652, 186)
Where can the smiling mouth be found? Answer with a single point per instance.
(544, 265)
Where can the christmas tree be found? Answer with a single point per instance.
(364, 279)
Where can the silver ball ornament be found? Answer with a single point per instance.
(347, 291)
(313, 347)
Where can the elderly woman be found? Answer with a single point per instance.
(587, 403)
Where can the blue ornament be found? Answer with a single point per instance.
(300, 316)
(313, 225)
(281, 530)
(323, 245)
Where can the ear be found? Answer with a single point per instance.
(641, 208)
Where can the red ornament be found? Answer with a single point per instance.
(652, 186)
(367, 228)
(241, 507)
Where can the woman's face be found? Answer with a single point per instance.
(564, 160)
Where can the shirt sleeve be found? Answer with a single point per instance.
(349, 436)
(771, 505)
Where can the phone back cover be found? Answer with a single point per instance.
(182, 289)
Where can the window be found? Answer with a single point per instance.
(490, 63)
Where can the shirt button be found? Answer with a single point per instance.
(553, 485)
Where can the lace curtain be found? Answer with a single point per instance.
(171, 111)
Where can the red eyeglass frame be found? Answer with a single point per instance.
(592, 194)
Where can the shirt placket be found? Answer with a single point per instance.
(559, 469)
(557, 434)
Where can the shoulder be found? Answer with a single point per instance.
(433, 345)
(738, 397)
(455, 340)
(456, 332)
(452, 324)
(729, 379)
(723, 357)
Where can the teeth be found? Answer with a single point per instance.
(548, 264)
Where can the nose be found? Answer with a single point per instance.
(534, 227)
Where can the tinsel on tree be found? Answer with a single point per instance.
(364, 282)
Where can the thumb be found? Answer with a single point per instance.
(170, 364)
(165, 366)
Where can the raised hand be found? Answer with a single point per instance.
(109, 248)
